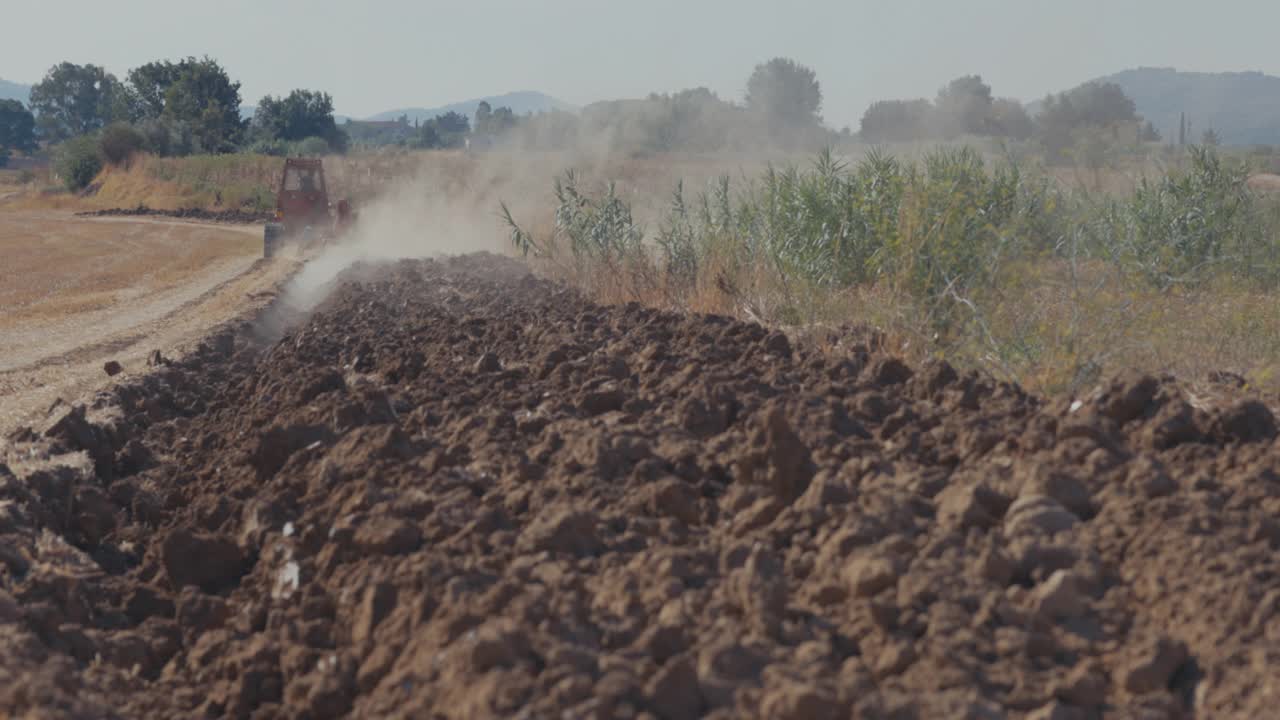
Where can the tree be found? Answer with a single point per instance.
(77, 162)
(788, 95)
(1088, 107)
(302, 114)
(963, 107)
(17, 128)
(491, 122)
(119, 142)
(1210, 138)
(150, 82)
(1103, 105)
(427, 136)
(206, 98)
(77, 99)
(452, 122)
(1010, 119)
(453, 128)
(443, 131)
(504, 119)
(483, 113)
(1149, 133)
(1056, 122)
(158, 137)
(896, 121)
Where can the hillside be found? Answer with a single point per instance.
(1242, 107)
(520, 102)
(14, 91)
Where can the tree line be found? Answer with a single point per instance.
(167, 108)
(781, 107)
(193, 106)
(966, 106)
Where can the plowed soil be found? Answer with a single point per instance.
(460, 491)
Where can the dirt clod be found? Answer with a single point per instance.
(1153, 665)
(1083, 687)
(209, 562)
(1058, 598)
(388, 536)
(488, 363)
(1248, 421)
(895, 658)
(1038, 513)
(869, 575)
(674, 693)
(778, 459)
(562, 531)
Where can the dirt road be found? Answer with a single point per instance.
(458, 491)
(78, 292)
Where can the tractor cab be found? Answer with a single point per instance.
(303, 198)
(302, 206)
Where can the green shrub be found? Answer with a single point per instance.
(78, 162)
(940, 229)
(160, 136)
(272, 147)
(120, 141)
(1190, 225)
(312, 146)
(958, 222)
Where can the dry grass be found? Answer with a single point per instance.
(1057, 328)
(56, 266)
(1056, 331)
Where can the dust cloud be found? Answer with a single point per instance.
(439, 208)
(422, 205)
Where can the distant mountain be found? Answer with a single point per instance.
(15, 91)
(520, 102)
(1243, 108)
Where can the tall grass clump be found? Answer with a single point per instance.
(235, 180)
(937, 231)
(1190, 226)
(595, 233)
(822, 225)
(959, 224)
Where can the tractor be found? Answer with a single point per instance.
(303, 212)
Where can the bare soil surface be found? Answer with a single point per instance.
(77, 293)
(459, 491)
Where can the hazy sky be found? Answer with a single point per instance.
(395, 53)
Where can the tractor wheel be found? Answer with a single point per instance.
(271, 236)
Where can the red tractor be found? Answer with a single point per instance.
(302, 208)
